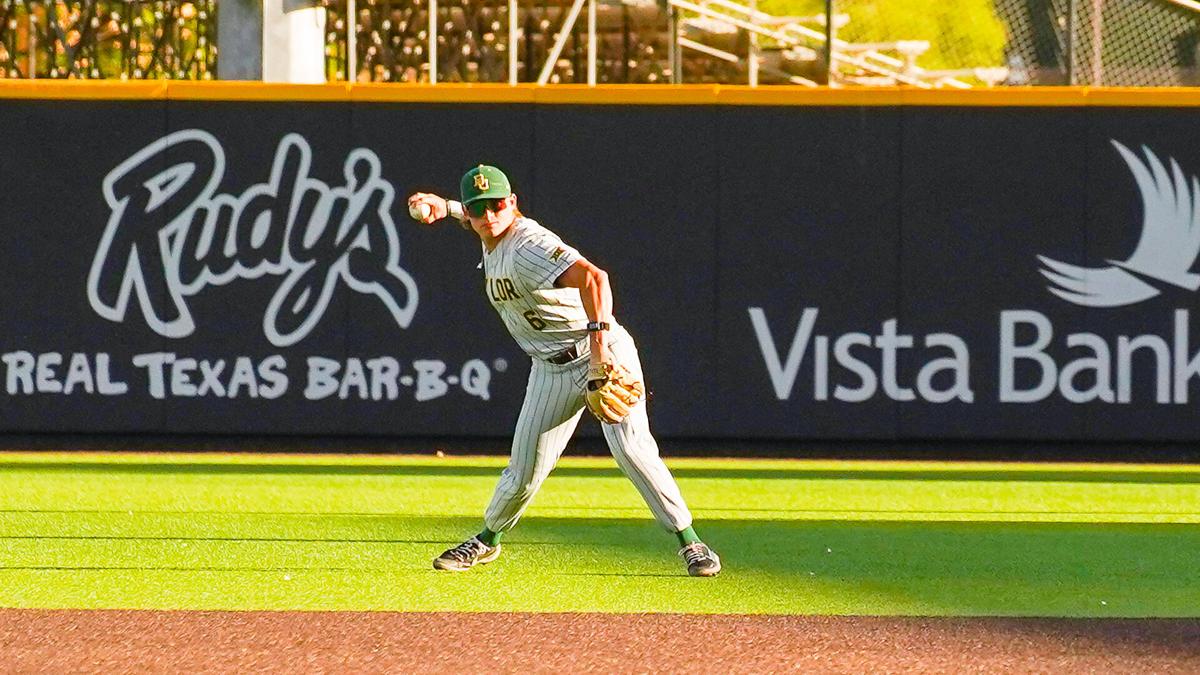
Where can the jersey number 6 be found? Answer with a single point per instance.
(534, 320)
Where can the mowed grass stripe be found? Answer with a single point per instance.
(338, 462)
(204, 531)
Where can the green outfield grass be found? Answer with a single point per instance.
(203, 531)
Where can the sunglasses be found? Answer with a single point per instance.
(478, 208)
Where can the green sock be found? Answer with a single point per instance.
(488, 537)
(687, 536)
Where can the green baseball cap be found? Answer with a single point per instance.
(484, 182)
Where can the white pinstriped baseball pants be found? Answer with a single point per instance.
(553, 405)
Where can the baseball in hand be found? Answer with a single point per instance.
(420, 211)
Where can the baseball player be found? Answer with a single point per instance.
(558, 307)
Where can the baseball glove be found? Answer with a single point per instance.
(611, 392)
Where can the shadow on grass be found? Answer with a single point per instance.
(944, 568)
(715, 473)
(777, 547)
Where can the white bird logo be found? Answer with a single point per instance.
(1166, 251)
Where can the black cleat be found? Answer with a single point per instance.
(701, 560)
(466, 555)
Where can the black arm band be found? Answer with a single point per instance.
(597, 326)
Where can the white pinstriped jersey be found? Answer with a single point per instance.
(520, 274)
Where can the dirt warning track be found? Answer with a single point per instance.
(184, 641)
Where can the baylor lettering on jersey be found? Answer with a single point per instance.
(502, 289)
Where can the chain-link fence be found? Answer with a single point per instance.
(918, 42)
(929, 43)
(926, 43)
(118, 40)
(1137, 43)
(1010, 42)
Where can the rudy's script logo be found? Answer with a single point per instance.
(1168, 247)
(171, 234)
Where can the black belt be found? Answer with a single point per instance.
(567, 356)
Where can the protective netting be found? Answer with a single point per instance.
(926, 43)
(1135, 43)
(1015, 42)
(918, 42)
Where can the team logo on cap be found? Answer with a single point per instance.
(481, 181)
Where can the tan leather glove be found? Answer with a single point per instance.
(612, 391)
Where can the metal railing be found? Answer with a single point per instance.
(497, 41)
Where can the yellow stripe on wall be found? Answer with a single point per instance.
(95, 89)
(617, 94)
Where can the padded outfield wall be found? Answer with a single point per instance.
(795, 264)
